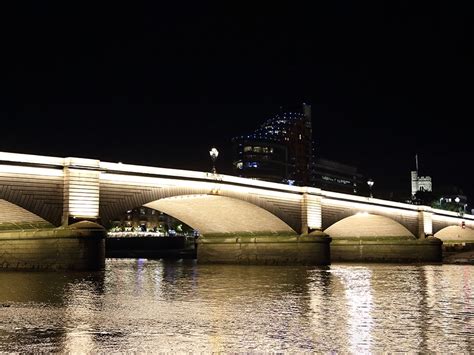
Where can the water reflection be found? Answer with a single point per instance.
(44, 308)
(179, 306)
(358, 305)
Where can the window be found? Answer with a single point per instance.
(247, 148)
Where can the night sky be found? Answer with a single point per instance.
(160, 84)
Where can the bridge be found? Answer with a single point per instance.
(48, 200)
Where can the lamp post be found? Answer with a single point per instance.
(213, 153)
(457, 200)
(370, 182)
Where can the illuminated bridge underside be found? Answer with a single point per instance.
(367, 225)
(211, 214)
(456, 233)
(15, 217)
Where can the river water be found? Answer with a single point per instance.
(139, 305)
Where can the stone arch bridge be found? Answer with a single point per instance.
(52, 192)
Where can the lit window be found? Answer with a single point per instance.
(257, 149)
(247, 148)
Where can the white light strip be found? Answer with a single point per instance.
(28, 158)
(197, 175)
(14, 169)
(447, 214)
(450, 220)
(368, 208)
(153, 181)
(206, 185)
(371, 201)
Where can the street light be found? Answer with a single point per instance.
(213, 153)
(462, 209)
(370, 182)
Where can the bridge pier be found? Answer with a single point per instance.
(76, 247)
(425, 224)
(384, 249)
(267, 249)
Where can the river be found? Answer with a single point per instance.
(140, 305)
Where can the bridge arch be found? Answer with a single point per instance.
(115, 200)
(214, 214)
(368, 225)
(455, 233)
(14, 217)
(45, 201)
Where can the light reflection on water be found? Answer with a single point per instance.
(179, 306)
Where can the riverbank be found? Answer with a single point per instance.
(466, 257)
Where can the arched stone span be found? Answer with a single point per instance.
(368, 225)
(115, 199)
(211, 214)
(456, 233)
(15, 217)
(42, 195)
(334, 210)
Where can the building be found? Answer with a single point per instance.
(280, 150)
(420, 183)
(147, 221)
(334, 176)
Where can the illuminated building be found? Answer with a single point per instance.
(420, 183)
(279, 150)
(147, 220)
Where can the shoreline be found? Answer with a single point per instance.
(466, 257)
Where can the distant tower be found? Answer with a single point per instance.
(419, 183)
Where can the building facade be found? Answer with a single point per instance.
(420, 183)
(334, 176)
(147, 221)
(281, 150)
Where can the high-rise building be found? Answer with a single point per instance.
(279, 150)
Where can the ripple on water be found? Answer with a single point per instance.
(154, 305)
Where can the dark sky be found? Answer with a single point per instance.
(160, 84)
